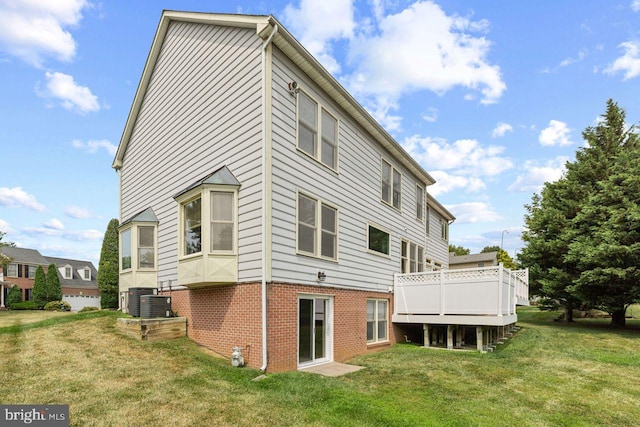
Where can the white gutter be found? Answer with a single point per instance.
(265, 44)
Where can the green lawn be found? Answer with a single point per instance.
(548, 374)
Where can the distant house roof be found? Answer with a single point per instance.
(473, 258)
(24, 256)
(76, 281)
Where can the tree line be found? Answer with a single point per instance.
(582, 232)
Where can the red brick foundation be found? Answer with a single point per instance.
(221, 318)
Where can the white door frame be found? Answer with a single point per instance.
(328, 330)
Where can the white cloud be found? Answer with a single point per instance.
(77, 212)
(316, 23)
(421, 48)
(75, 235)
(501, 129)
(572, 60)
(93, 146)
(431, 115)
(5, 227)
(16, 197)
(465, 156)
(32, 30)
(84, 235)
(635, 5)
(71, 95)
(629, 63)
(446, 183)
(473, 212)
(557, 133)
(53, 224)
(536, 175)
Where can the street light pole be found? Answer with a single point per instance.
(502, 240)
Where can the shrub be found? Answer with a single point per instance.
(14, 296)
(89, 308)
(26, 305)
(57, 306)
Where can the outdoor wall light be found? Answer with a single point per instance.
(293, 87)
(321, 276)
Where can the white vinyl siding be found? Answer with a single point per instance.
(419, 201)
(204, 97)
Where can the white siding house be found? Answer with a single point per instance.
(265, 199)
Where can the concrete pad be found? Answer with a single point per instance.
(331, 369)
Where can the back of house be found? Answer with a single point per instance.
(264, 199)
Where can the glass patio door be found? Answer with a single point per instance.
(314, 343)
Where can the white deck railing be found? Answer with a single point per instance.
(483, 291)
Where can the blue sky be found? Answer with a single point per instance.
(490, 97)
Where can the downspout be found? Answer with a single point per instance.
(265, 45)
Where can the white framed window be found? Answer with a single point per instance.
(12, 270)
(318, 141)
(125, 249)
(317, 228)
(444, 229)
(146, 247)
(426, 227)
(411, 257)
(31, 271)
(86, 273)
(390, 184)
(419, 201)
(377, 239)
(377, 320)
(223, 223)
(192, 226)
(68, 272)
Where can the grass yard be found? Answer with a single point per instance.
(22, 317)
(549, 374)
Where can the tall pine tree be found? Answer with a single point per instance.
(108, 267)
(40, 287)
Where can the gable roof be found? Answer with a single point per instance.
(292, 48)
(24, 256)
(147, 215)
(473, 258)
(75, 281)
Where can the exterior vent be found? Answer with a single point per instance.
(134, 299)
(155, 306)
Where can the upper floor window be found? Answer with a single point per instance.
(317, 228)
(320, 142)
(86, 273)
(419, 201)
(31, 271)
(222, 221)
(12, 270)
(427, 220)
(391, 184)
(378, 240)
(444, 229)
(412, 257)
(68, 271)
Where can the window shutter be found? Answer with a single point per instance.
(19, 270)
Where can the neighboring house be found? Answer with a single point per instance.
(264, 199)
(78, 279)
(485, 259)
(79, 282)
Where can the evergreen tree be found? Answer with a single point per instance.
(551, 220)
(503, 257)
(108, 274)
(40, 287)
(54, 290)
(14, 296)
(606, 231)
(459, 250)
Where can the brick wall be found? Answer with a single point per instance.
(224, 317)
